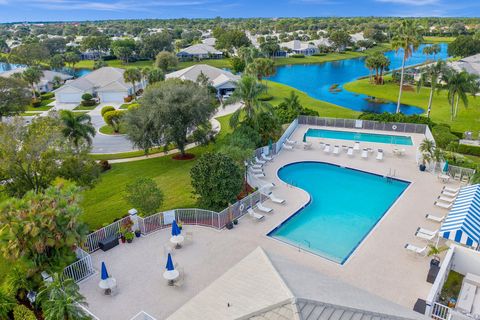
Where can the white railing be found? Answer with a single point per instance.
(103, 233)
(80, 269)
(460, 172)
(90, 314)
(440, 312)
(437, 286)
(198, 217)
(239, 208)
(142, 315)
(291, 128)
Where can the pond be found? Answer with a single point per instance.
(316, 80)
(78, 72)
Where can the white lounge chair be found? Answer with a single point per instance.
(255, 170)
(287, 147)
(259, 175)
(327, 148)
(266, 158)
(453, 190)
(258, 161)
(255, 166)
(443, 205)
(417, 250)
(350, 151)
(364, 154)
(336, 150)
(307, 145)
(426, 231)
(255, 215)
(424, 236)
(445, 199)
(449, 194)
(434, 218)
(356, 146)
(275, 199)
(290, 141)
(262, 208)
(380, 155)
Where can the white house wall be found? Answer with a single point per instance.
(466, 261)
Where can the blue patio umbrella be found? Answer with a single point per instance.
(104, 272)
(175, 229)
(445, 167)
(169, 265)
(270, 147)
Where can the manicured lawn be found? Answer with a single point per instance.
(88, 64)
(106, 129)
(43, 107)
(105, 202)
(438, 39)
(80, 107)
(325, 109)
(467, 119)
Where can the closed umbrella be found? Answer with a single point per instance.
(445, 166)
(169, 265)
(175, 229)
(170, 274)
(106, 283)
(104, 275)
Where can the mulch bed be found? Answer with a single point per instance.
(187, 156)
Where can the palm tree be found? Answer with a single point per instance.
(32, 76)
(77, 127)
(431, 74)
(133, 75)
(145, 74)
(370, 64)
(61, 299)
(293, 102)
(248, 91)
(378, 62)
(459, 84)
(433, 49)
(408, 38)
(260, 68)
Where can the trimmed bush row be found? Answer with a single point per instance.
(467, 149)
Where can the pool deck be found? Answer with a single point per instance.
(379, 265)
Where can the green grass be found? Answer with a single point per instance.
(43, 106)
(106, 129)
(123, 155)
(88, 64)
(103, 203)
(89, 108)
(452, 286)
(467, 119)
(325, 109)
(438, 39)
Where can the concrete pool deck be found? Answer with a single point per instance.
(379, 265)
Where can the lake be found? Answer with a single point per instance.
(317, 79)
(78, 72)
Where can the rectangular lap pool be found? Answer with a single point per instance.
(358, 136)
(345, 206)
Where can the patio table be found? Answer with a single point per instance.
(177, 241)
(171, 276)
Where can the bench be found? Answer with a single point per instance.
(108, 243)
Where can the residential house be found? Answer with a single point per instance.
(300, 47)
(199, 52)
(47, 81)
(470, 64)
(222, 80)
(357, 37)
(209, 41)
(105, 83)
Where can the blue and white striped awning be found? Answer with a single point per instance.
(462, 224)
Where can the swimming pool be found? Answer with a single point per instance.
(358, 136)
(345, 204)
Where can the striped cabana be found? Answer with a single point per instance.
(462, 224)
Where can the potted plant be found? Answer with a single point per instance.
(129, 236)
(235, 221)
(229, 225)
(180, 224)
(138, 233)
(427, 148)
(433, 252)
(121, 233)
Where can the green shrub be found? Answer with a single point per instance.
(442, 135)
(133, 106)
(297, 56)
(113, 119)
(396, 117)
(47, 96)
(36, 103)
(20, 312)
(88, 103)
(87, 96)
(104, 165)
(467, 149)
(265, 97)
(318, 54)
(106, 109)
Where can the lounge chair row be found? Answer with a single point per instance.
(425, 234)
(447, 197)
(263, 208)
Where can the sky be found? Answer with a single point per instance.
(77, 10)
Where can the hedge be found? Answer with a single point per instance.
(396, 117)
(88, 103)
(442, 135)
(106, 109)
(20, 312)
(47, 96)
(468, 149)
(265, 97)
(297, 56)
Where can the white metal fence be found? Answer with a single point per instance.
(80, 269)
(109, 231)
(363, 124)
(434, 308)
(440, 312)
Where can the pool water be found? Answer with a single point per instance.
(316, 80)
(345, 206)
(358, 136)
